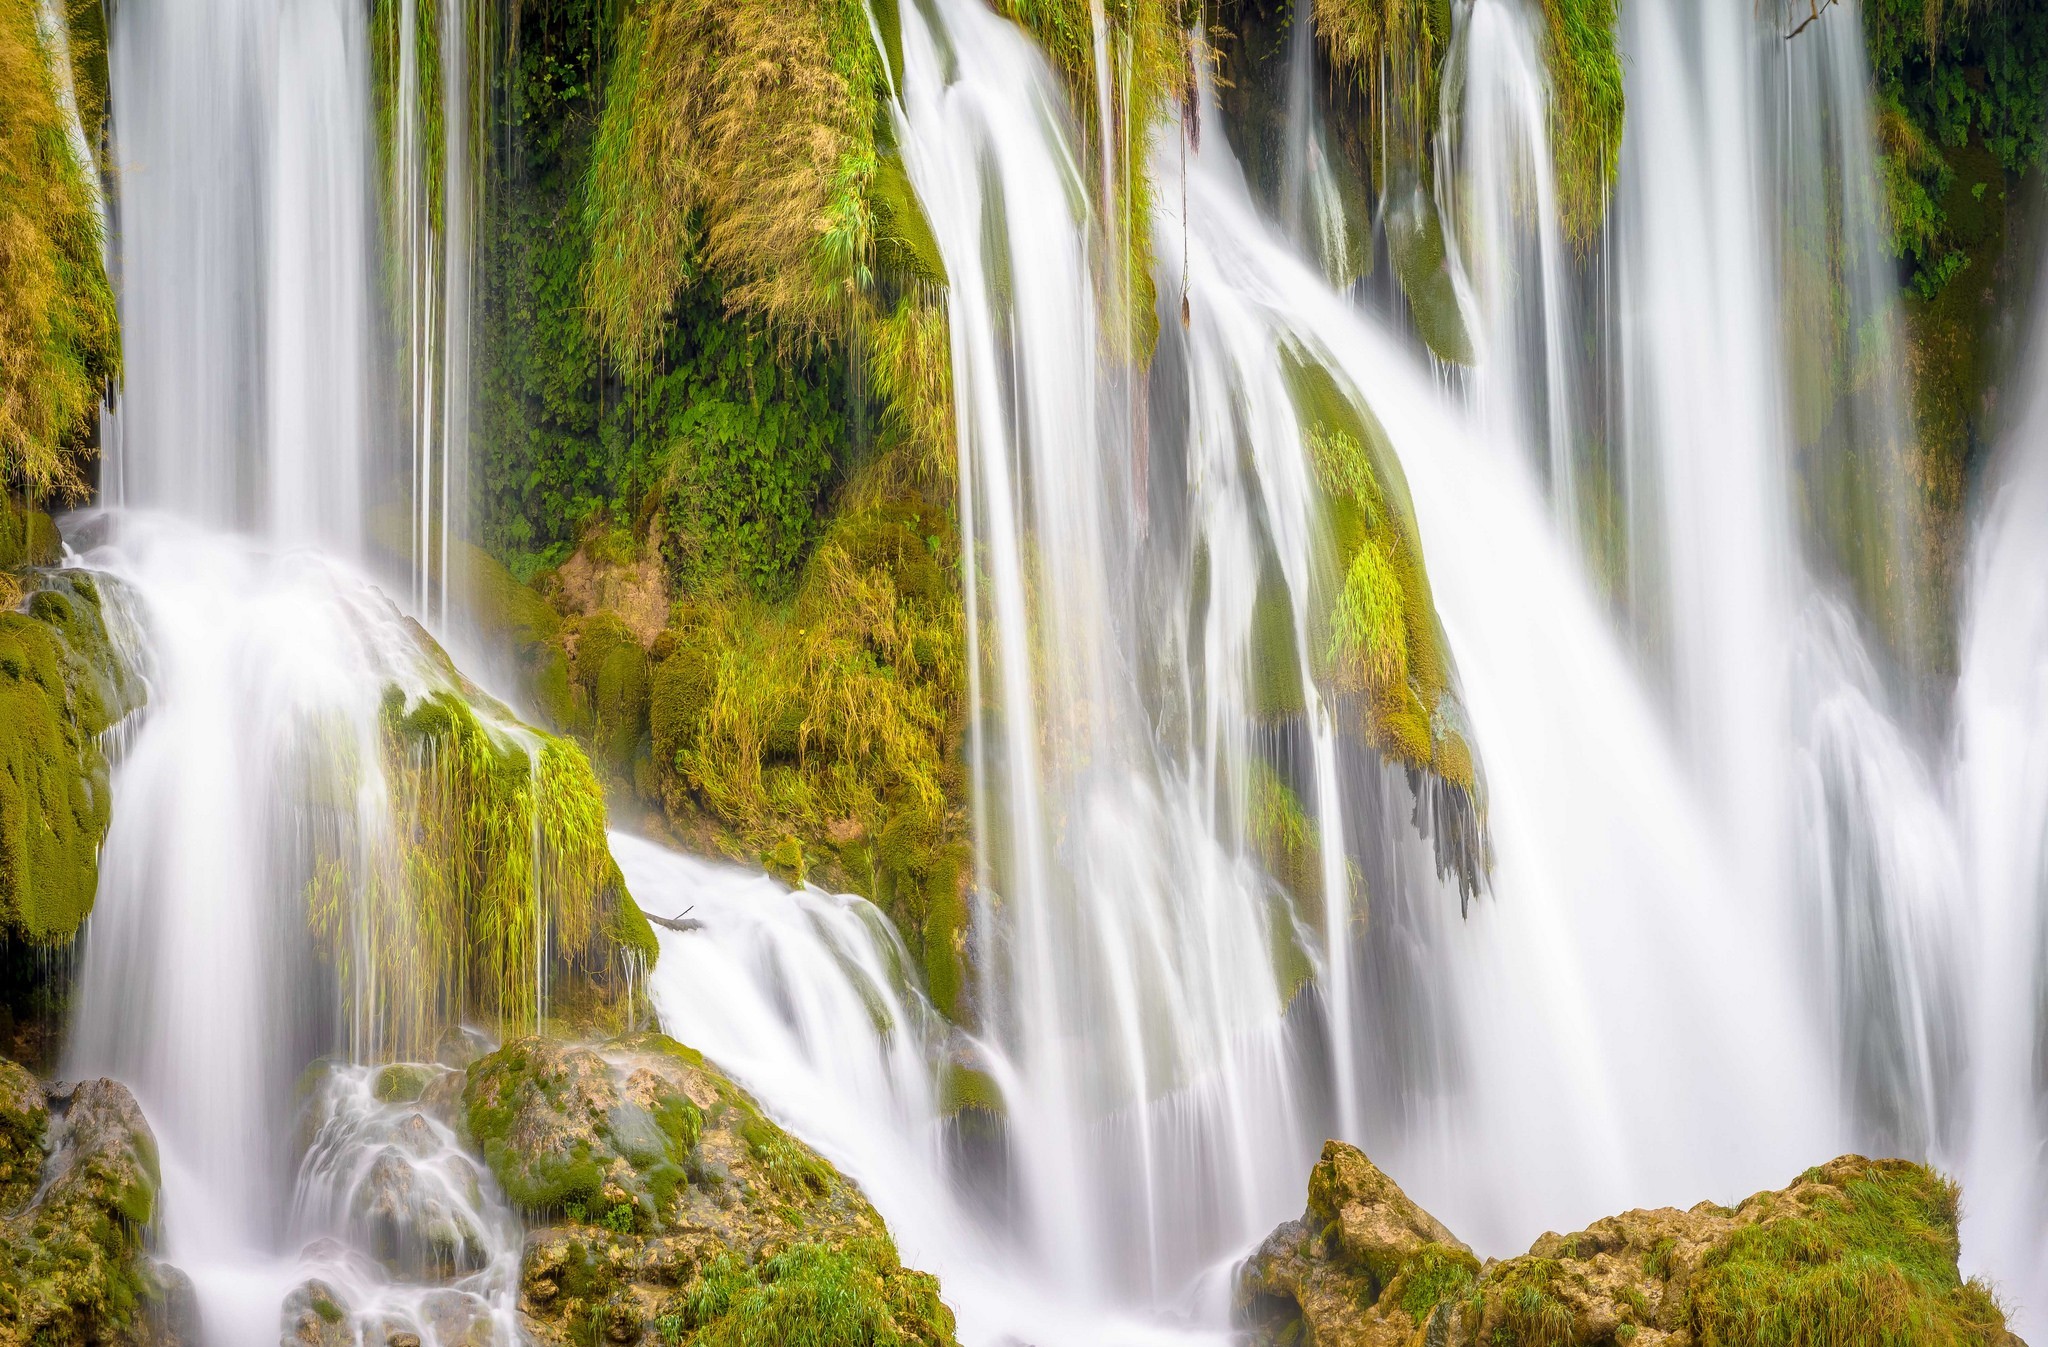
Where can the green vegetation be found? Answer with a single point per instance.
(59, 348)
(815, 1295)
(820, 733)
(1868, 1261)
(1393, 53)
(1377, 643)
(1854, 1253)
(1960, 93)
(1949, 77)
(496, 898)
(72, 1267)
(676, 1205)
(61, 686)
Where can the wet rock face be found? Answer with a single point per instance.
(1363, 1267)
(78, 1188)
(383, 1164)
(1855, 1253)
(667, 1208)
(315, 1315)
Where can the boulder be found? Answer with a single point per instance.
(315, 1315)
(664, 1205)
(78, 1190)
(1854, 1253)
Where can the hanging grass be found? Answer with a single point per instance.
(493, 895)
(737, 135)
(59, 343)
(1587, 105)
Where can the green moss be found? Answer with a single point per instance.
(61, 686)
(1415, 242)
(1527, 1311)
(1438, 1274)
(854, 1294)
(59, 336)
(1870, 1265)
(791, 1170)
(495, 890)
(402, 1082)
(1380, 650)
(963, 1089)
(1586, 92)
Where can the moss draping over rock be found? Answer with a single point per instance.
(494, 897)
(676, 1212)
(1855, 1253)
(72, 1265)
(62, 684)
(747, 154)
(1375, 643)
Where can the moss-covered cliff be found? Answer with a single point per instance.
(59, 347)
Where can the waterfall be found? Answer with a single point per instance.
(2001, 791)
(1497, 187)
(254, 804)
(432, 56)
(1741, 914)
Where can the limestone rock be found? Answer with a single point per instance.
(663, 1203)
(315, 1315)
(1857, 1253)
(24, 1119)
(1363, 1267)
(80, 1174)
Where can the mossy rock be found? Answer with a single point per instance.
(1855, 1253)
(670, 1199)
(72, 1265)
(62, 684)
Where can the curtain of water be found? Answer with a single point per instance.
(1498, 192)
(2002, 795)
(435, 106)
(248, 464)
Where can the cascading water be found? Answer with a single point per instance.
(438, 51)
(2001, 795)
(1498, 189)
(200, 986)
(256, 781)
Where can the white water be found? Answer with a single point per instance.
(2001, 793)
(199, 986)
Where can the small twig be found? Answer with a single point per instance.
(681, 921)
(1813, 16)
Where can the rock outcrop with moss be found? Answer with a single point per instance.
(78, 1190)
(492, 895)
(59, 348)
(666, 1208)
(63, 683)
(1854, 1253)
